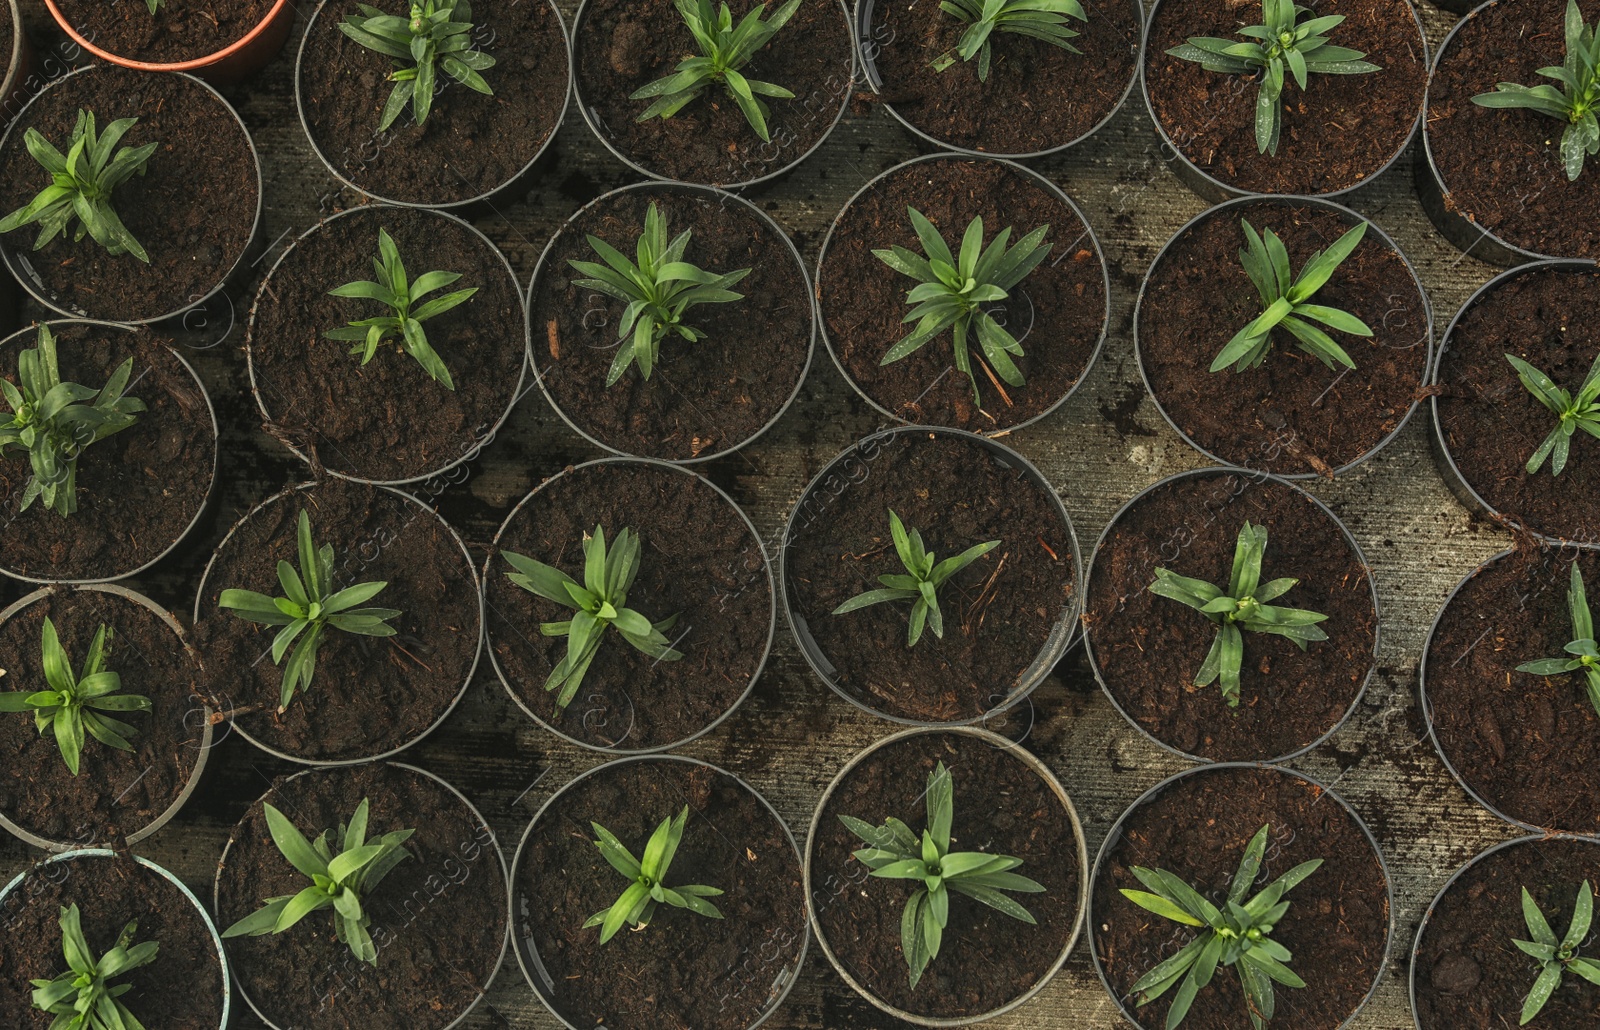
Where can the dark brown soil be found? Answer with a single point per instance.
(1338, 920)
(438, 920)
(703, 397)
(1293, 415)
(1058, 313)
(624, 45)
(684, 971)
(471, 143)
(1148, 648)
(177, 32)
(1528, 744)
(1467, 975)
(370, 694)
(999, 612)
(138, 491)
(1001, 807)
(1336, 134)
(699, 560)
(193, 210)
(1038, 96)
(1493, 425)
(116, 793)
(362, 420)
(181, 990)
(1503, 168)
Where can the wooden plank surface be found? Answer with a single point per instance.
(1099, 449)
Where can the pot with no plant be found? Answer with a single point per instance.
(1516, 401)
(1014, 79)
(1510, 687)
(97, 931)
(1511, 132)
(945, 874)
(1279, 98)
(655, 892)
(1303, 355)
(686, 352)
(437, 103)
(223, 43)
(630, 605)
(157, 214)
(987, 276)
(112, 474)
(1533, 894)
(1234, 891)
(363, 897)
(931, 577)
(1281, 633)
(720, 93)
(340, 623)
(347, 346)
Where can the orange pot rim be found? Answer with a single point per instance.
(194, 65)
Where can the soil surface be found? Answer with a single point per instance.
(1002, 807)
(1293, 415)
(177, 32)
(702, 397)
(181, 990)
(471, 143)
(1149, 648)
(438, 919)
(1339, 132)
(1337, 925)
(139, 490)
(1038, 96)
(623, 45)
(1503, 168)
(116, 793)
(699, 560)
(362, 420)
(684, 971)
(1000, 612)
(1058, 313)
(370, 694)
(1467, 975)
(1493, 425)
(193, 210)
(1530, 745)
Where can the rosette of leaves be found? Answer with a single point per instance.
(1573, 411)
(1556, 955)
(72, 705)
(85, 996)
(648, 874)
(1575, 99)
(1041, 19)
(920, 584)
(437, 36)
(1583, 653)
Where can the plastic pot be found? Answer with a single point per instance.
(204, 712)
(1039, 769)
(534, 970)
(232, 64)
(840, 472)
(18, 81)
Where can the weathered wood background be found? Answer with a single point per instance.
(1100, 449)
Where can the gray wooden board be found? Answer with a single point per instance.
(1106, 444)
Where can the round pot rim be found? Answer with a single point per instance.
(1191, 169)
(1036, 765)
(1255, 476)
(1114, 837)
(468, 454)
(189, 895)
(610, 766)
(494, 843)
(8, 253)
(604, 137)
(216, 451)
(466, 681)
(1050, 187)
(859, 24)
(1541, 837)
(193, 64)
(441, 206)
(1289, 199)
(766, 567)
(721, 196)
(1065, 633)
(1442, 445)
(8, 79)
